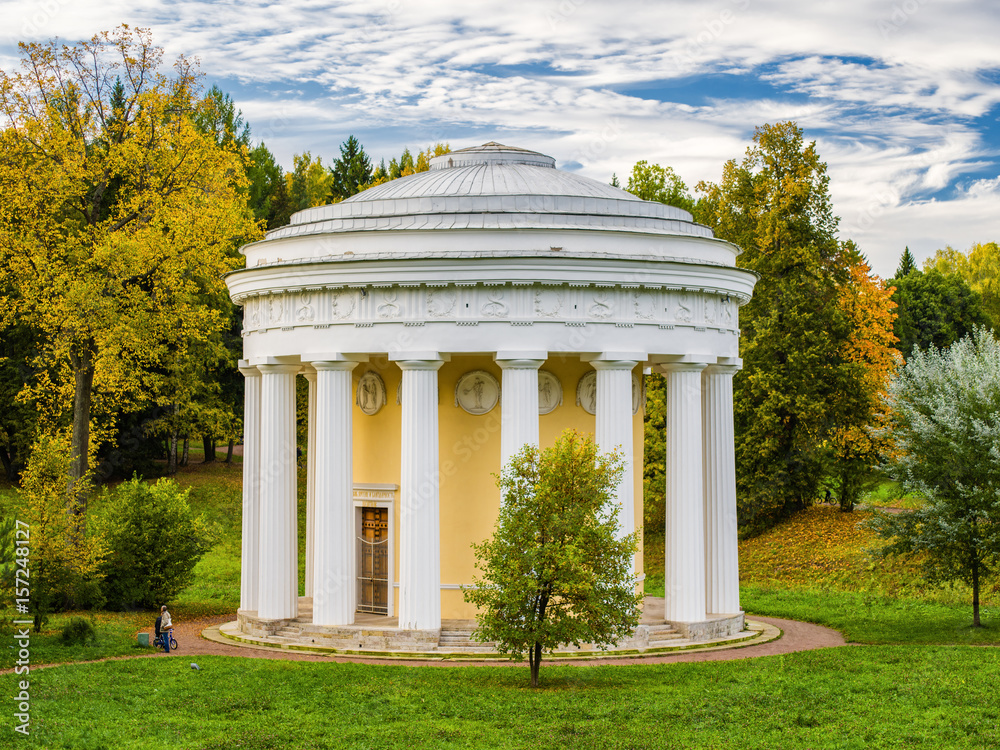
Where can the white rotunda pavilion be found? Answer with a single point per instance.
(445, 319)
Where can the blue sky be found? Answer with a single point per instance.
(902, 96)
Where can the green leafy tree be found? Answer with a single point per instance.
(934, 309)
(309, 182)
(63, 564)
(945, 407)
(979, 268)
(775, 205)
(352, 171)
(153, 541)
(555, 571)
(651, 182)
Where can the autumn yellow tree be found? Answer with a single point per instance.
(870, 348)
(117, 214)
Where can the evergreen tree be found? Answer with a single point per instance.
(352, 171)
(775, 205)
(906, 263)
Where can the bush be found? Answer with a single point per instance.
(77, 632)
(154, 541)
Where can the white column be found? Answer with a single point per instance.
(518, 405)
(419, 522)
(249, 568)
(722, 568)
(279, 589)
(310, 376)
(334, 588)
(613, 429)
(684, 541)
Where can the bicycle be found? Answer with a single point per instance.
(158, 640)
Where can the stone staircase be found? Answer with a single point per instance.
(458, 639)
(663, 636)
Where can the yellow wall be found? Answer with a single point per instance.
(469, 451)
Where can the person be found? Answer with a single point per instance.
(165, 626)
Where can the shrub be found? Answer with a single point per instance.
(77, 632)
(154, 541)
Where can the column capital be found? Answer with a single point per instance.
(419, 364)
(614, 364)
(248, 370)
(279, 369)
(334, 365)
(722, 369)
(683, 366)
(506, 362)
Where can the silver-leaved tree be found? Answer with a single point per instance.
(557, 570)
(945, 407)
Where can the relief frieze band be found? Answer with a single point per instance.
(471, 304)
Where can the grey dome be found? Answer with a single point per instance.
(493, 187)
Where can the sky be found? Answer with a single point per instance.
(902, 97)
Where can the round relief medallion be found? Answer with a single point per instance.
(477, 392)
(550, 393)
(371, 393)
(586, 392)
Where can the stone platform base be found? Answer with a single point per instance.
(375, 635)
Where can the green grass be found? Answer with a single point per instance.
(866, 697)
(116, 636)
(889, 494)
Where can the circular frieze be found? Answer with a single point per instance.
(371, 393)
(586, 392)
(550, 393)
(477, 392)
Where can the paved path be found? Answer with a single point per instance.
(796, 636)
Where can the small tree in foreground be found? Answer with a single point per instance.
(946, 425)
(556, 570)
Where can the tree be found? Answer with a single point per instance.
(945, 406)
(62, 564)
(651, 182)
(856, 450)
(352, 171)
(934, 310)
(153, 542)
(775, 205)
(979, 268)
(906, 263)
(309, 182)
(555, 570)
(116, 214)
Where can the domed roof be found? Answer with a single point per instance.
(493, 186)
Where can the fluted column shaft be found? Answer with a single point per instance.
(334, 585)
(518, 406)
(278, 593)
(613, 429)
(310, 376)
(419, 522)
(684, 542)
(249, 562)
(722, 567)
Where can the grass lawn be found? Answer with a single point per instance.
(864, 697)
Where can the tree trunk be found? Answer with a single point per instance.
(535, 661)
(184, 455)
(208, 446)
(172, 454)
(82, 362)
(975, 595)
(229, 452)
(8, 463)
